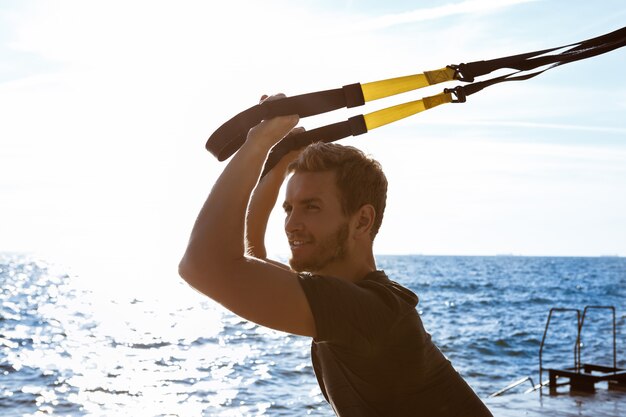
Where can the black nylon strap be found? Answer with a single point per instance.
(532, 60)
(462, 91)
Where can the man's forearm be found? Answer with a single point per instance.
(217, 238)
(263, 201)
(261, 204)
(218, 230)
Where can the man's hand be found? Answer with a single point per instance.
(269, 132)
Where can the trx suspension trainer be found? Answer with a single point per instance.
(229, 137)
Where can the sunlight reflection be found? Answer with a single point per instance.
(138, 354)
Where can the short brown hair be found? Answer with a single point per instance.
(360, 179)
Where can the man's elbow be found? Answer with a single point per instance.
(184, 269)
(194, 269)
(208, 277)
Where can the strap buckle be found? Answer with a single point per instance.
(458, 73)
(458, 92)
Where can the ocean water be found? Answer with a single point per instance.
(67, 349)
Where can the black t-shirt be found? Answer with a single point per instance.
(373, 357)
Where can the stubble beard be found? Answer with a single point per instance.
(331, 249)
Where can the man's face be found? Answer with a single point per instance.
(316, 227)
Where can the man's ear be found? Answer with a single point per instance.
(363, 220)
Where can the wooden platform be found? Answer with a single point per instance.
(603, 403)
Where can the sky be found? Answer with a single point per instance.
(105, 108)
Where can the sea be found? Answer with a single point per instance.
(72, 349)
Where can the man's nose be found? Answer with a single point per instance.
(293, 222)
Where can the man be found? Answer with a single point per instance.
(370, 352)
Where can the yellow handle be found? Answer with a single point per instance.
(400, 111)
(393, 86)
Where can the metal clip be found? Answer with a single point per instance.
(458, 92)
(458, 73)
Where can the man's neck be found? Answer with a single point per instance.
(352, 269)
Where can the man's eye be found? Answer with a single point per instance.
(312, 207)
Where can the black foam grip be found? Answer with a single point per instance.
(229, 137)
(329, 133)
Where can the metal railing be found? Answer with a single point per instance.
(576, 345)
(513, 385)
(578, 371)
(582, 322)
(578, 366)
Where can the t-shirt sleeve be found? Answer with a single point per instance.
(348, 314)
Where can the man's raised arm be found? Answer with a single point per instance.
(261, 204)
(215, 262)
